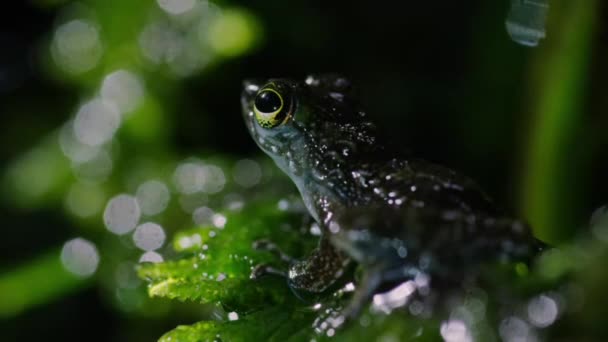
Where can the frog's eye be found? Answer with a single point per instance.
(270, 109)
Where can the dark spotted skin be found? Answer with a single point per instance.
(395, 216)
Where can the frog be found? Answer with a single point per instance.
(395, 216)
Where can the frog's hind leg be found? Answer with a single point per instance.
(370, 282)
(374, 277)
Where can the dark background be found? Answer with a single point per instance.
(442, 77)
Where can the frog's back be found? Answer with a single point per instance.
(419, 184)
(429, 210)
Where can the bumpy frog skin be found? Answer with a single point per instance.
(398, 218)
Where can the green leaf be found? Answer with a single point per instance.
(36, 282)
(216, 262)
(551, 188)
(214, 267)
(272, 324)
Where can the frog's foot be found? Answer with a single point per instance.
(269, 246)
(314, 274)
(262, 270)
(321, 269)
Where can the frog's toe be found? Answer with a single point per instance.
(269, 246)
(262, 270)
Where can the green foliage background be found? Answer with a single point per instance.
(529, 124)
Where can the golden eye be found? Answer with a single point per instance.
(269, 108)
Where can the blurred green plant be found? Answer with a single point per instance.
(36, 282)
(214, 268)
(553, 178)
(126, 59)
(156, 47)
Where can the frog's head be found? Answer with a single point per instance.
(313, 129)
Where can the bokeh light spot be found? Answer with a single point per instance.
(158, 41)
(214, 179)
(219, 221)
(176, 6)
(203, 216)
(76, 46)
(80, 257)
(455, 330)
(514, 329)
(189, 178)
(122, 214)
(96, 122)
(124, 89)
(153, 197)
(234, 33)
(247, 173)
(152, 257)
(149, 236)
(542, 311)
(72, 147)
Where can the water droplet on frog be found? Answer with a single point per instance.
(312, 81)
(334, 227)
(315, 230)
(336, 96)
(317, 174)
(342, 83)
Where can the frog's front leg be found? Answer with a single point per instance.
(314, 274)
(319, 270)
